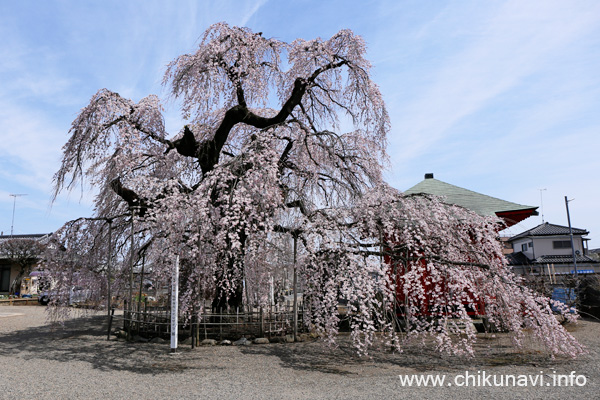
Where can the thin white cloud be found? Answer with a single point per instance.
(31, 144)
(519, 40)
(254, 8)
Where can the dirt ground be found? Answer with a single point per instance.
(76, 361)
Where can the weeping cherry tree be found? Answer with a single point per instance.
(280, 140)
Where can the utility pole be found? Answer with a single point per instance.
(12, 225)
(571, 234)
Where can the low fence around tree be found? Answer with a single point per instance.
(151, 321)
(19, 302)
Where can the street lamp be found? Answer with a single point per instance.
(12, 225)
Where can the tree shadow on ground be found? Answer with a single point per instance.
(84, 339)
(490, 352)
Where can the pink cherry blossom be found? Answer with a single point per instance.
(281, 140)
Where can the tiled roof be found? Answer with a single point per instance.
(37, 236)
(517, 259)
(547, 229)
(477, 202)
(563, 260)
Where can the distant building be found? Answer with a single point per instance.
(9, 269)
(547, 248)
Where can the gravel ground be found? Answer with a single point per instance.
(38, 360)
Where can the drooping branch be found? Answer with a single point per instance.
(208, 151)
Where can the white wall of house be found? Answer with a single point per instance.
(544, 246)
(526, 246)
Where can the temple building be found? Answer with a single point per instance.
(510, 213)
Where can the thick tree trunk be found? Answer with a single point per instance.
(234, 299)
(223, 302)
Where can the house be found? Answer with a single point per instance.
(18, 256)
(510, 213)
(547, 249)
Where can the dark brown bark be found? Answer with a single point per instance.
(134, 201)
(208, 151)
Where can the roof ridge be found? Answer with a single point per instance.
(539, 231)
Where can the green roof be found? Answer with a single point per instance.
(477, 202)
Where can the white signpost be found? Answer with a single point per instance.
(174, 306)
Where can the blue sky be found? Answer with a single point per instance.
(502, 98)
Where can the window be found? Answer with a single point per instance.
(524, 247)
(561, 244)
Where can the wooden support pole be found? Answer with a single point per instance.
(295, 284)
